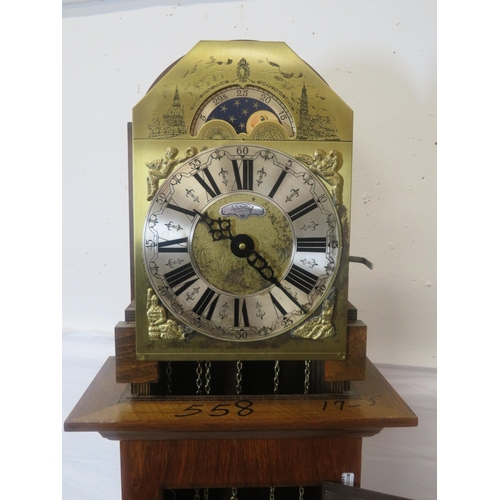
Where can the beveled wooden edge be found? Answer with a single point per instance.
(128, 368)
(107, 407)
(196, 436)
(354, 366)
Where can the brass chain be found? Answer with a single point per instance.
(205, 494)
(307, 374)
(234, 495)
(239, 365)
(271, 493)
(301, 493)
(169, 378)
(208, 376)
(276, 376)
(199, 371)
(196, 494)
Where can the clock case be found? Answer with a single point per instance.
(167, 116)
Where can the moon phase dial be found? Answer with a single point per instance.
(239, 110)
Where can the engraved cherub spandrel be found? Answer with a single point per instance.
(160, 326)
(326, 165)
(162, 168)
(320, 327)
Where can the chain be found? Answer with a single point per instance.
(199, 371)
(196, 494)
(169, 378)
(307, 373)
(239, 365)
(276, 376)
(208, 376)
(234, 495)
(205, 494)
(271, 493)
(301, 493)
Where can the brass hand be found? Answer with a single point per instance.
(260, 264)
(219, 229)
(243, 246)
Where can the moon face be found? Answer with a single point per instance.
(258, 117)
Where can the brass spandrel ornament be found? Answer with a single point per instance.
(241, 217)
(320, 327)
(327, 166)
(160, 325)
(162, 168)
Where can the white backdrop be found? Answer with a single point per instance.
(378, 55)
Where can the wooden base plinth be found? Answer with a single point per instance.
(149, 467)
(236, 441)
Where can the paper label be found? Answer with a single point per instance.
(348, 478)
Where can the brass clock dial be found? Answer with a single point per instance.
(242, 160)
(242, 243)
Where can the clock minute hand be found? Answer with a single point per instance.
(260, 264)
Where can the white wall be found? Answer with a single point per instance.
(378, 55)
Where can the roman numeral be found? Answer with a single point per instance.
(179, 275)
(202, 304)
(166, 246)
(244, 313)
(182, 210)
(244, 181)
(311, 244)
(185, 286)
(280, 308)
(302, 279)
(305, 208)
(212, 191)
(277, 184)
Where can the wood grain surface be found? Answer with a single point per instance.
(148, 467)
(107, 407)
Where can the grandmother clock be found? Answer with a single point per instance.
(240, 364)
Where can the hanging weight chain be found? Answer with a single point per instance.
(307, 374)
(271, 493)
(239, 365)
(205, 494)
(301, 493)
(196, 494)
(234, 495)
(208, 376)
(276, 376)
(199, 371)
(169, 378)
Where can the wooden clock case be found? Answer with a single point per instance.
(188, 438)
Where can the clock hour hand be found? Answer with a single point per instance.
(219, 229)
